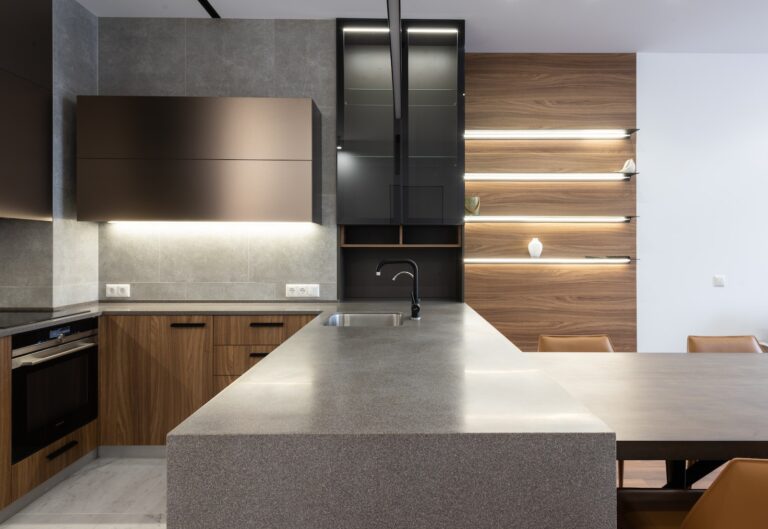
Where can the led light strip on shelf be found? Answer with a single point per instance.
(361, 29)
(543, 218)
(549, 134)
(547, 177)
(548, 260)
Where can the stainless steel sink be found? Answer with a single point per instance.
(365, 319)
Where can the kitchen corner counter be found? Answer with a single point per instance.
(437, 423)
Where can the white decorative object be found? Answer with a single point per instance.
(535, 247)
(629, 167)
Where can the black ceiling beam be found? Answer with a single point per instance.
(209, 8)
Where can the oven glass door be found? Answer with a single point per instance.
(53, 398)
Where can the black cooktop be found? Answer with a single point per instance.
(17, 318)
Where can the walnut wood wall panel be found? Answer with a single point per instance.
(562, 240)
(525, 301)
(556, 91)
(552, 91)
(5, 421)
(550, 156)
(554, 198)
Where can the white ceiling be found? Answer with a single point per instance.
(725, 26)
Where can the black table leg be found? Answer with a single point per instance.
(676, 475)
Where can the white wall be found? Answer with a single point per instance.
(702, 196)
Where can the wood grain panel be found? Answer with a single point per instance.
(560, 91)
(222, 381)
(43, 464)
(560, 240)
(295, 322)
(5, 421)
(124, 351)
(547, 156)
(524, 301)
(249, 330)
(180, 374)
(237, 359)
(554, 198)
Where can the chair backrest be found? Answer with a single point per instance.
(597, 343)
(735, 500)
(723, 344)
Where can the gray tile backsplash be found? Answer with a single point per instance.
(201, 57)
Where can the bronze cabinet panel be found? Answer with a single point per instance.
(195, 190)
(210, 128)
(25, 149)
(198, 159)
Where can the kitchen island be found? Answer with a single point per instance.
(438, 423)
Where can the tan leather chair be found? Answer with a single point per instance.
(735, 500)
(598, 343)
(723, 344)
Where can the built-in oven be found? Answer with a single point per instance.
(54, 384)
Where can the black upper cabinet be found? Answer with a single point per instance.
(26, 59)
(411, 172)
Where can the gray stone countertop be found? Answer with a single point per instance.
(450, 373)
(78, 312)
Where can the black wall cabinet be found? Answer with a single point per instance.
(26, 59)
(409, 172)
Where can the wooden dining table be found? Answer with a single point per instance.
(703, 408)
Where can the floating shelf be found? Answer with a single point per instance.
(549, 134)
(548, 177)
(546, 219)
(548, 260)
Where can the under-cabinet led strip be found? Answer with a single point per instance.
(433, 30)
(547, 260)
(547, 177)
(543, 218)
(548, 134)
(365, 30)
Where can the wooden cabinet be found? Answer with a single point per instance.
(243, 341)
(154, 372)
(43, 464)
(5, 421)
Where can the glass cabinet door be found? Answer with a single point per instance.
(367, 180)
(433, 191)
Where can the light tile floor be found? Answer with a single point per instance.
(107, 493)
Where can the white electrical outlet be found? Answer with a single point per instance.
(296, 290)
(718, 281)
(118, 290)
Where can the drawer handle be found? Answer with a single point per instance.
(256, 354)
(266, 324)
(187, 325)
(61, 451)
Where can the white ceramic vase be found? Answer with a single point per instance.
(535, 247)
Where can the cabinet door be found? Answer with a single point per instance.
(368, 180)
(124, 355)
(5, 421)
(26, 40)
(179, 374)
(433, 186)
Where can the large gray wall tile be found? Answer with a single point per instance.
(230, 57)
(142, 56)
(26, 250)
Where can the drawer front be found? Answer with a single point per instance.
(222, 381)
(44, 464)
(237, 359)
(249, 330)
